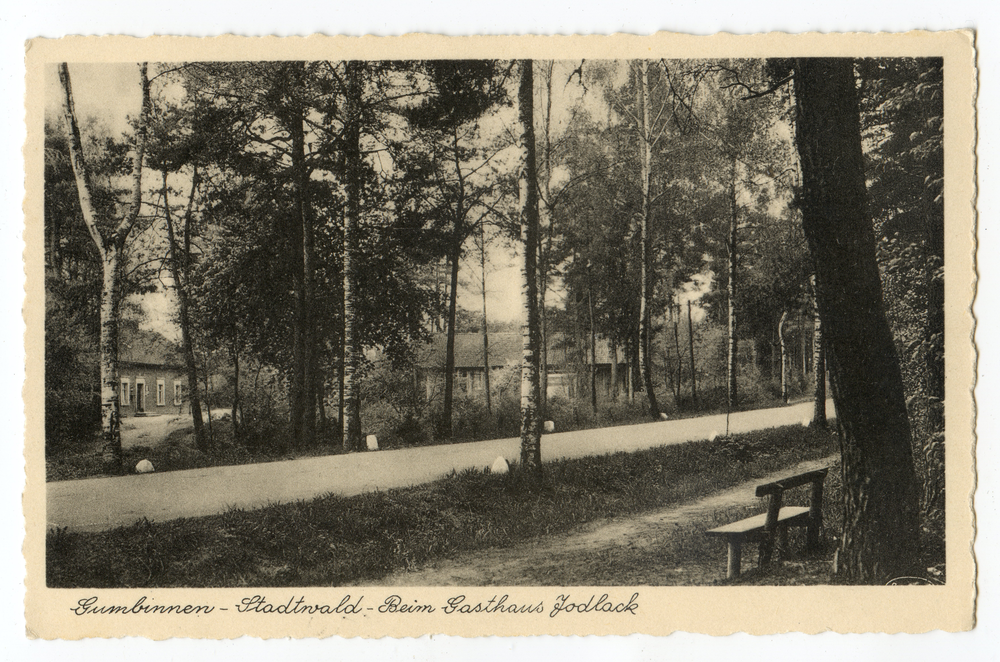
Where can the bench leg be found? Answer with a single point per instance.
(815, 515)
(735, 555)
(782, 550)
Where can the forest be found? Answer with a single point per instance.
(686, 236)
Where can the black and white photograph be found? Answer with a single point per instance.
(442, 334)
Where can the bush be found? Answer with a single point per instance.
(71, 417)
(410, 432)
(263, 427)
(623, 411)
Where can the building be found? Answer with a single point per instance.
(567, 364)
(152, 376)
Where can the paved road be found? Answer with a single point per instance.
(96, 504)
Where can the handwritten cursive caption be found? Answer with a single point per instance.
(348, 605)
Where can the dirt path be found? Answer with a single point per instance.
(151, 431)
(603, 552)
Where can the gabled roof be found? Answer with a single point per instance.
(141, 347)
(505, 349)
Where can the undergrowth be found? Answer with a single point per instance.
(336, 540)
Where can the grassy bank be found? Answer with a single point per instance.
(336, 540)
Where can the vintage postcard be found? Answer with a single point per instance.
(499, 336)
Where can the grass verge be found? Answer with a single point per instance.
(336, 540)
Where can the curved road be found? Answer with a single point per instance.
(95, 504)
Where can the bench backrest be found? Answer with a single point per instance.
(779, 486)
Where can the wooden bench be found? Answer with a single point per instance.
(763, 528)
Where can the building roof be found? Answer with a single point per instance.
(505, 349)
(142, 347)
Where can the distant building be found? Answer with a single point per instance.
(151, 372)
(567, 363)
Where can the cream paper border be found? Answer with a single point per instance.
(662, 610)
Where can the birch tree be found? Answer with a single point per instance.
(109, 236)
(646, 143)
(531, 448)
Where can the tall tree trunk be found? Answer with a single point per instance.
(543, 349)
(208, 395)
(545, 250)
(444, 430)
(613, 390)
(111, 450)
(732, 353)
(803, 347)
(351, 419)
(531, 429)
(180, 276)
(782, 341)
(881, 527)
(341, 381)
(457, 238)
(677, 347)
(629, 367)
(110, 248)
(486, 332)
(819, 365)
(302, 400)
(646, 262)
(668, 368)
(234, 355)
(593, 349)
(320, 391)
(694, 371)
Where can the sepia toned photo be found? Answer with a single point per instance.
(499, 336)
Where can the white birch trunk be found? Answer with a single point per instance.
(110, 249)
(531, 454)
(646, 285)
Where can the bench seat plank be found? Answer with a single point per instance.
(748, 525)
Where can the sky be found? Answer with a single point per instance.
(110, 93)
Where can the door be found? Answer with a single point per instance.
(140, 397)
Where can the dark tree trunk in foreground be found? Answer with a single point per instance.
(819, 366)
(110, 246)
(880, 534)
(531, 429)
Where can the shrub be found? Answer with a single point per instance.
(263, 427)
(71, 417)
(410, 432)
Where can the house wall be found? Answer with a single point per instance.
(469, 381)
(172, 399)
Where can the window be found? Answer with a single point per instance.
(178, 393)
(123, 394)
(478, 383)
(161, 393)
